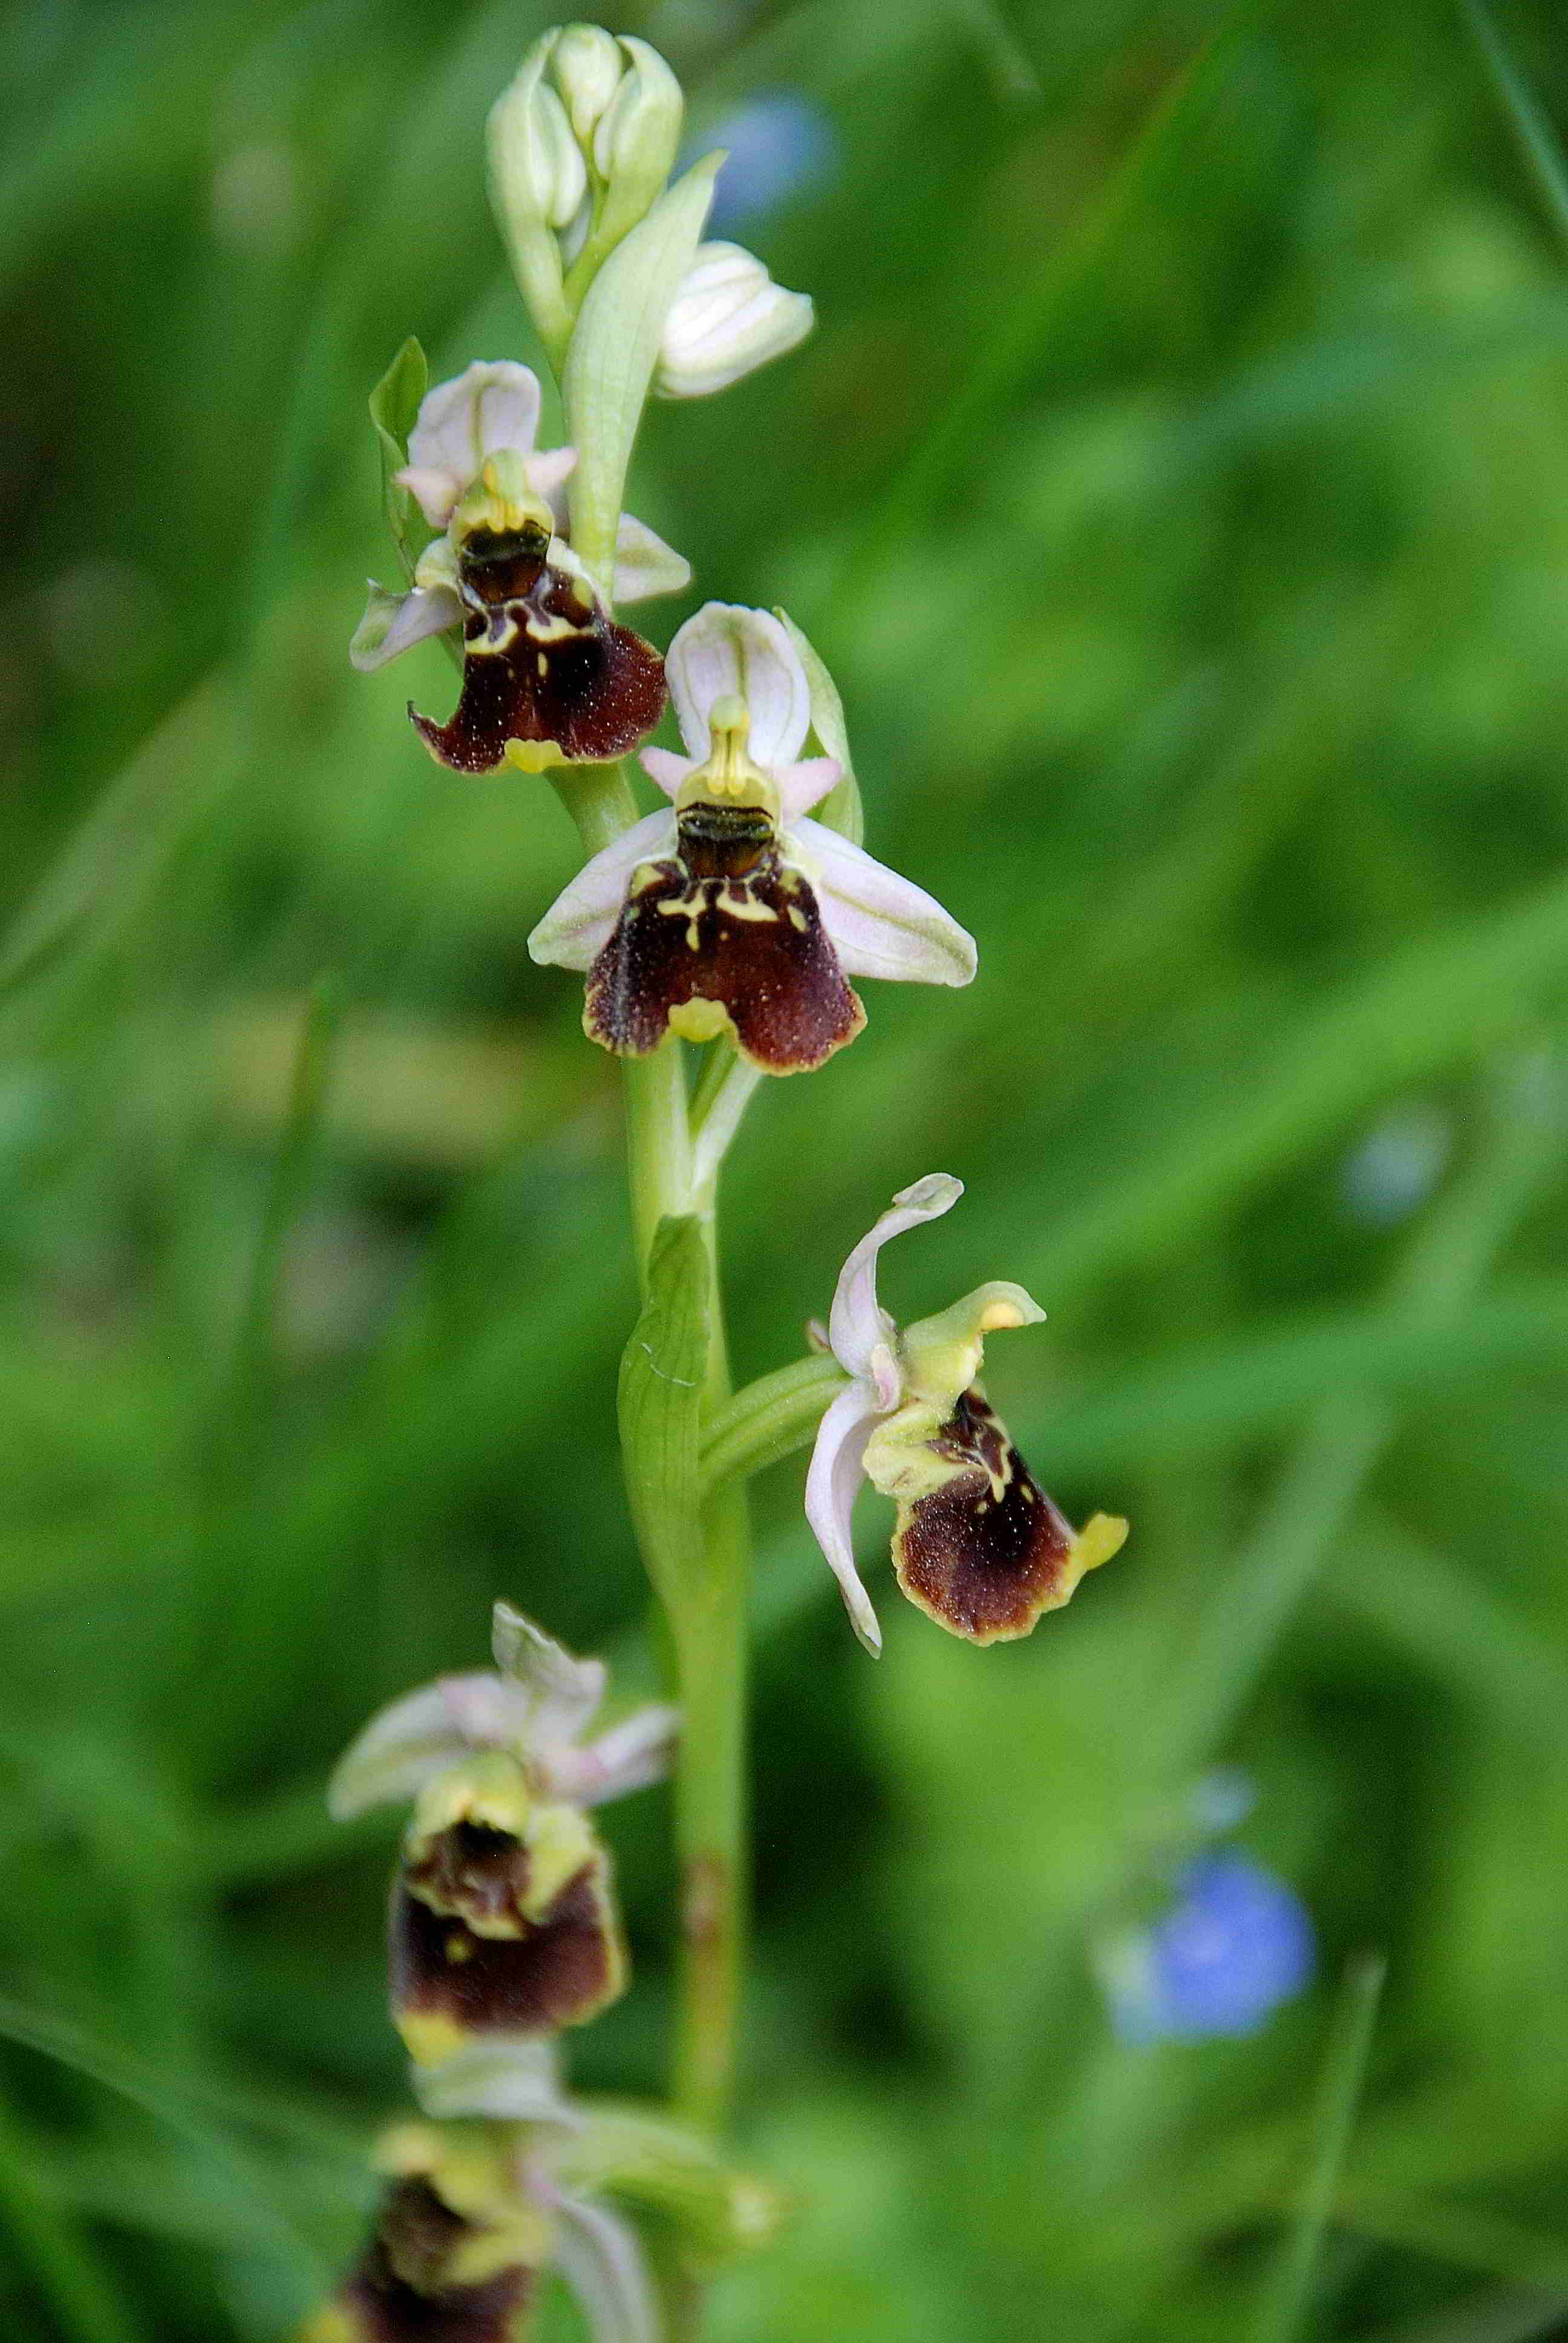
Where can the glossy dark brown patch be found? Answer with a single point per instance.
(982, 1563)
(398, 2293)
(725, 921)
(553, 1971)
(542, 662)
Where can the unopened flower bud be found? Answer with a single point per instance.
(728, 318)
(539, 180)
(587, 66)
(634, 144)
(539, 163)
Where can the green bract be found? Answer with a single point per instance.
(613, 353)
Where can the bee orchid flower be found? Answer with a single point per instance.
(502, 1920)
(733, 912)
(469, 2222)
(977, 1544)
(547, 675)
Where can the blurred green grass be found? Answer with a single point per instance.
(1176, 484)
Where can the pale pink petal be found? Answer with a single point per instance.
(729, 651)
(859, 1329)
(631, 1755)
(490, 405)
(831, 1481)
(645, 566)
(663, 766)
(548, 474)
(581, 921)
(394, 623)
(880, 924)
(434, 489)
(802, 786)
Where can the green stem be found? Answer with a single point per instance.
(769, 1419)
(708, 1620)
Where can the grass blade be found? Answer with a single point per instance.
(1288, 2299)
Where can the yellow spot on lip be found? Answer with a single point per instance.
(996, 1316)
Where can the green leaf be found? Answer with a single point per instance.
(1288, 2299)
(841, 809)
(394, 410)
(613, 353)
(661, 1379)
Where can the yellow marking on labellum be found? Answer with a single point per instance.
(744, 906)
(797, 917)
(430, 2036)
(700, 1021)
(458, 1948)
(543, 664)
(1103, 1536)
(497, 639)
(997, 1315)
(536, 755)
(550, 627)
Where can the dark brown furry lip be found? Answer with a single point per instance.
(986, 1552)
(542, 662)
(723, 934)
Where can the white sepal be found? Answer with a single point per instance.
(726, 319)
(645, 566)
(492, 404)
(599, 2255)
(858, 1328)
(880, 924)
(727, 651)
(831, 1481)
(394, 623)
(581, 921)
(408, 1744)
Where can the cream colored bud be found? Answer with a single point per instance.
(587, 64)
(726, 319)
(539, 180)
(634, 145)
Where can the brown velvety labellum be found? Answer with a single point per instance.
(397, 2294)
(553, 1971)
(728, 922)
(542, 662)
(982, 1563)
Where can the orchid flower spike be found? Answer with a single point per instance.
(503, 1923)
(547, 675)
(470, 2220)
(978, 1546)
(732, 912)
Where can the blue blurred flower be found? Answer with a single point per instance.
(1236, 1943)
(777, 142)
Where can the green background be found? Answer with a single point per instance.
(1176, 484)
